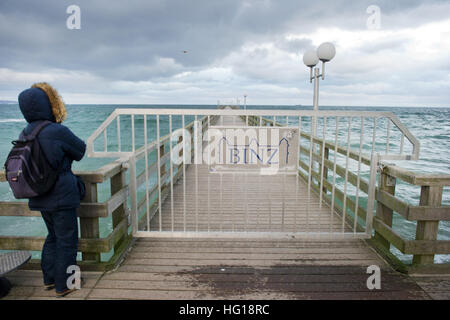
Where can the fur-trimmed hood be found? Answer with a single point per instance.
(42, 102)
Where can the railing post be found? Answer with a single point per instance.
(89, 227)
(428, 230)
(118, 182)
(133, 194)
(386, 183)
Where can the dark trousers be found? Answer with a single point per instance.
(60, 246)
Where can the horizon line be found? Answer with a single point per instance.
(248, 105)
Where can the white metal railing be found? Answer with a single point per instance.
(358, 141)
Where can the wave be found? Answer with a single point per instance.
(11, 120)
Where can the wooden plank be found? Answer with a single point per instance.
(228, 257)
(117, 236)
(262, 241)
(98, 176)
(424, 213)
(282, 269)
(100, 293)
(258, 270)
(361, 261)
(17, 209)
(429, 213)
(21, 243)
(190, 295)
(438, 287)
(20, 209)
(391, 202)
(227, 247)
(418, 178)
(253, 284)
(233, 250)
(389, 234)
(36, 243)
(275, 277)
(102, 174)
(118, 198)
(439, 295)
(427, 247)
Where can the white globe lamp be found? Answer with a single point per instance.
(326, 51)
(310, 58)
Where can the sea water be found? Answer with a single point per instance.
(431, 126)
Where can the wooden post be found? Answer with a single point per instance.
(428, 230)
(191, 132)
(89, 227)
(325, 169)
(386, 183)
(163, 166)
(118, 182)
(180, 153)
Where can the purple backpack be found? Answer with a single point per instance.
(27, 169)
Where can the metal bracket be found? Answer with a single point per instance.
(390, 181)
(380, 167)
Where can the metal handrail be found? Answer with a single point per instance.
(279, 113)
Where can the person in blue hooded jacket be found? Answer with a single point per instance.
(58, 206)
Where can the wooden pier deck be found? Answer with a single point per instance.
(243, 268)
(185, 269)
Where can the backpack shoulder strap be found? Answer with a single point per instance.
(36, 130)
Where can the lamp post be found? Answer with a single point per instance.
(325, 52)
(245, 101)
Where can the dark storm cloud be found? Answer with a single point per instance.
(126, 40)
(171, 45)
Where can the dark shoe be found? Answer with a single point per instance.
(68, 291)
(48, 287)
(65, 292)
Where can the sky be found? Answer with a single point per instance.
(388, 53)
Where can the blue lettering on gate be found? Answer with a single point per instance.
(248, 153)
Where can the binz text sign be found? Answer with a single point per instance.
(237, 149)
(264, 150)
